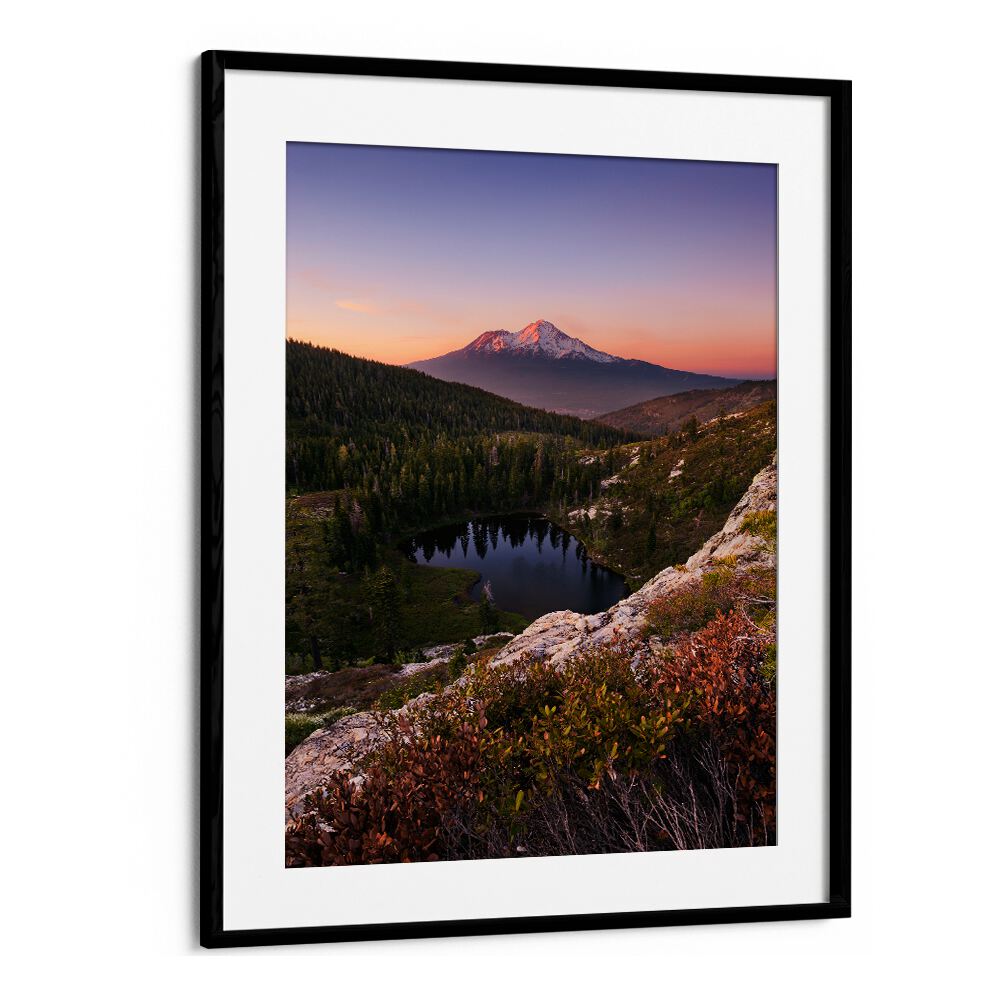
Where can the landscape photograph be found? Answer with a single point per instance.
(530, 505)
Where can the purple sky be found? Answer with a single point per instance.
(402, 254)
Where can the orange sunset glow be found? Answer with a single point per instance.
(399, 255)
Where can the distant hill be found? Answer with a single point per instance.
(667, 413)
(541, 366)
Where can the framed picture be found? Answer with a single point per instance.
(526, 471)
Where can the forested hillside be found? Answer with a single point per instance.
(350, 420)
(387, 449)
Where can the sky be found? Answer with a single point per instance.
(401, 254)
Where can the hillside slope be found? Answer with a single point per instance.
(664, 414)
(397, 447)
(334, 399)
(672, 493)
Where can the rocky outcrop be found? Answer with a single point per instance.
(334, 748)
(436, 655)
(556, 637)
(314, 692)
(562, 634)
(343, 744)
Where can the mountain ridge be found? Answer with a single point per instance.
(666, 414)
(538, 338)
(542, 366)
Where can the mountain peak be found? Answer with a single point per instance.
(540, 338)
(541, 366)
(542, 326)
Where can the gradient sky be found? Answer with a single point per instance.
(402, 254)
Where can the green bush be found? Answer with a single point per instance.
(299, 725)
(693, 606)
(763, 523)
(430, 679)
(458, 662)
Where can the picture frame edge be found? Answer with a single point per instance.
(214, 63)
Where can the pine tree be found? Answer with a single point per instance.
(384, 602)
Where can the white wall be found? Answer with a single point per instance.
(98, 390)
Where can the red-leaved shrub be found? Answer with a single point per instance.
(615, 750)
(400, 809)
(733, 706)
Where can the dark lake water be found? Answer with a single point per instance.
(532, 566)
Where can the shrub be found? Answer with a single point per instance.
(734, 708)
(489, 616)
(763, 523)
(693, 606)
(614, 750)
(588, 716)
(299, 725)
(401, 810)
(717, 590)
(458, 662)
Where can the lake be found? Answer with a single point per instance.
(532, 565)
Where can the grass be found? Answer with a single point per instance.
(769, 668)
(763, 523)
(694, 606)
(298, 725)
(431, 679)
(435, 609)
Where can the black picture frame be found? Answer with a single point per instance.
(213, 65)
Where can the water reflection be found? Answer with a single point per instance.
(533, 566)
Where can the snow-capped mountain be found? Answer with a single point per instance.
(540, 337)
(542, 366)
